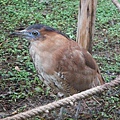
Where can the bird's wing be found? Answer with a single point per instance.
(79, 70)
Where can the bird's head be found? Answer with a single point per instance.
(31, 33)
(36, 32)
(42, 36)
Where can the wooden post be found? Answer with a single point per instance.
(86, 23)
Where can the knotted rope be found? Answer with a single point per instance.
(64, 102)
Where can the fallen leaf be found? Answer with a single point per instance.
(17, 68)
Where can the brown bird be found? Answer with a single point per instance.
(61, 63)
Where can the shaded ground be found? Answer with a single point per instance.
(21, 89)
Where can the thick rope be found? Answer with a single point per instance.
(64, 102)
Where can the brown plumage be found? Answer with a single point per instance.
(61, 63)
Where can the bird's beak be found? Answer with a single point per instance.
(22, 33)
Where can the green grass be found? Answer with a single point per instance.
(61, 14)
(108, 39)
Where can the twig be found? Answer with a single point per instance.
(117, 4)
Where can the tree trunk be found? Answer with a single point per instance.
(86, 23)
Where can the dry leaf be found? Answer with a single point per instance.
(17, 68)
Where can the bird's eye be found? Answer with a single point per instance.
(35, 33)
